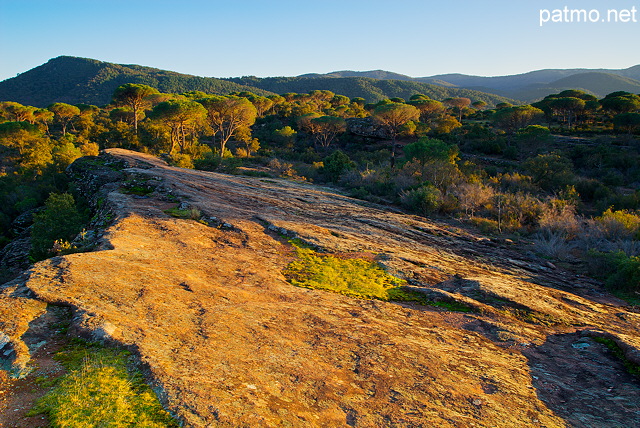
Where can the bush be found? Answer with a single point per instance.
(423, 200)
(283, 169)
(553, 244)
(559, 218)
(620, 272)
(335, 165)
(60, 220)
(621, 224)
(181, 160)
(210, 162)
(486, 226)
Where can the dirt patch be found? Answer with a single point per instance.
(18, 396)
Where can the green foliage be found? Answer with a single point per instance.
(100, 391)
(286, 135)
(335, 165)
(513, 118)
(620, 272)
(190, 213)
(622, 224)
(627, 122)
(65, 153)
(550, 171)
(627, 275)
(486, 225)
(210, 161)
(326, 128)
(60, 220)
(534, 135)
(428, 149)
(424, 200)
(181, 160)
(394, 115)
(352, 277)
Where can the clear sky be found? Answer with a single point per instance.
(286, 38)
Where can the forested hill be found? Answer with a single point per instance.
(81, 80)
(368, 88)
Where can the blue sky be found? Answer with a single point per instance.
(286, 38)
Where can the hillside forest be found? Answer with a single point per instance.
(561, 174)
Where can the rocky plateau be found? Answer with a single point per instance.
(226, 341)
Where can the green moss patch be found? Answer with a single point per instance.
(352, 277)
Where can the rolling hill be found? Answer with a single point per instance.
(374, 74)
(81, 80)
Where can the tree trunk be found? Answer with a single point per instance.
(135, 119)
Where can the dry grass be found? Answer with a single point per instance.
(553, 244)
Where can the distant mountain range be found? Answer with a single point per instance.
(81, 80)
(525, 87)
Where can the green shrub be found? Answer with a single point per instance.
(619, 224)
(486, 226)
(181, 160)
(620, 272)
(210, 162)
(626, 277)
(60, 220)
(423, 200)
(189, 213)
(335, 165)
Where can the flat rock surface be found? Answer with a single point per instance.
(229, 342)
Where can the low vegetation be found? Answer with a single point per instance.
(184, 213)
(55, 226)
(101, 390)
(352, 277)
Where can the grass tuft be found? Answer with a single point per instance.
(190, 213)
(100, 391)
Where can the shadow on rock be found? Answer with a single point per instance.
(584, 383)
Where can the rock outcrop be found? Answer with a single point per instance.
(366, 127)
(230, 342)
